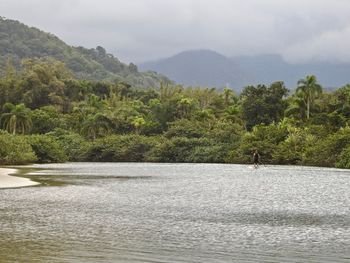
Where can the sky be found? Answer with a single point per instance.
(141, 30)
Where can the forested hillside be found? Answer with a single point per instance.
(47, 115)
(18, 42)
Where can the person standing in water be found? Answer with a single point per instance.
(256, 158)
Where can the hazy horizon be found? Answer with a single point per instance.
(140, 30)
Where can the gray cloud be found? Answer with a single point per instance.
(138, 30)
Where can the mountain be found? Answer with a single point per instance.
(199, 68)
(269, 68)
(208, 68)
(19, 41)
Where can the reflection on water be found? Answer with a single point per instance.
(88, 212)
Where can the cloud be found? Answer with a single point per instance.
(139, 30)
(329, 46)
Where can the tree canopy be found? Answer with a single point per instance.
(56, 117)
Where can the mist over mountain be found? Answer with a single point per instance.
(19, 41)
(193, 68)
(200, 68)
(269, 68)
(209, 68)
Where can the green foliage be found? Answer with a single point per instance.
(292, 149)
(15, 149)
(332, 121)
(185, 128)
(263, 138)
(342, 103)
(263, 105)
(344, 159)
(328, 152)
(95, 125)
(43, 82)
(122, 148)
(225, 132)
(45, 120)
(309, 90)
(74, 146)
(83, 120)
(296, 107)
(16, 118)
(208, 152)
(138, 123)
(19, 41)
(182, 149)
(46, 149)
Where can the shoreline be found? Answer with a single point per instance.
(9, 181)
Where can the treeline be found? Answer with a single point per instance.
(49, 116)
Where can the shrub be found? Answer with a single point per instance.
(46, 149)
(185, 128)
(182, 149)
(15, 149)
(120, 148)
(292, 149)
(73, 145)
(344, 159)
(44, 120)
(327, 152)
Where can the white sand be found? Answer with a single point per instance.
(8, 181)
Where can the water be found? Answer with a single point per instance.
(105, 212)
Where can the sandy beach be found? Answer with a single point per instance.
(9, 181)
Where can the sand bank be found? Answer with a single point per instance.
(8, 181)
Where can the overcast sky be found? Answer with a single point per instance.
(140, 30)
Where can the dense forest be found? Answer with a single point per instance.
(18, 42)
(48, 115)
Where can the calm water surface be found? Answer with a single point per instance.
(108, 212)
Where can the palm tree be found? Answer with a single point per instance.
(310, 90)
(16, 118)
(228, 94)
(184, 106)
(233, 114)
(296, 107)
(94, 124)
(138, 122)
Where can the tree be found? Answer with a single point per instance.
(233, 114)
(133, 68)
(296, 107)
(263, 105)
(138, 123)
(186, 128)
(101, 51)
(45, 120)
(310, 90)
(95, 124)
(229, 96)
(16, 118)
(328, 150)
(343, 100)
(184, 107)
(43, 82)
(264, 138)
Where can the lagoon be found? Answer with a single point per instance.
(149, 212)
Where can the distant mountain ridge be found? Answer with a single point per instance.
(269, 68)
(19, 41)
(209, 68)
(199, 68)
